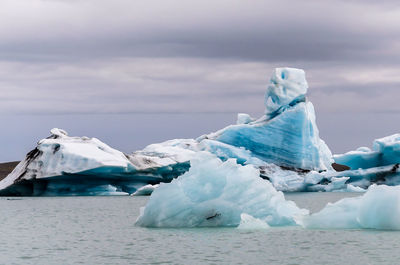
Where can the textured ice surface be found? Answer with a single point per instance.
(386, 151)
(146, 190)
(64, 165)
(284, 144)
(287, 85)
(378, 208)
(290, 139)
(216, 193)
(248, 222)
(379, 165)
(244, 118)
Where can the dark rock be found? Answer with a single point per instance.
(339, 167)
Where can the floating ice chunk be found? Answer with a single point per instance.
(363, 157)
(337, 184)
(286, 86)
(145, 190)
(386, 151)
(290, 139)
(64, 165)
(352, 188)
(248, 222)
(339, 215)
(378, 208)
(216, 193)
(389, 147)
(61, 155)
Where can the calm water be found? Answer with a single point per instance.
(100, 230)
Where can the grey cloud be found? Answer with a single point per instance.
(73, 63)
(278, 31)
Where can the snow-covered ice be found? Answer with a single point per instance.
(64, 165)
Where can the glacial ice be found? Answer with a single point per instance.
(287, 135)
(379, 165)
(146, 190)
(287, 86)
(64, 165)
(283, 144)
(378, 208)
(248, 222)
(386, 151)
(217, 193)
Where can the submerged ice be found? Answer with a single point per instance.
(217, 193)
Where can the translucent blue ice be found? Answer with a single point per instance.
(386, 151)
(290, 139)
(216, 193)
(378, 208)
(287, 135)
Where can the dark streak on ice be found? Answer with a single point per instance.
(213, 216)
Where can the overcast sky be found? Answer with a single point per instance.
(134, 72)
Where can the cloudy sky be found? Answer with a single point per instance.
(135, 72)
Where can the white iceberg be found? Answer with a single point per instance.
(64, 165)
(378, 208)
(216, 193)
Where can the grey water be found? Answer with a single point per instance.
(101, 230)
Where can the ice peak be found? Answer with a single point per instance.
(58, 133)
(287, 85)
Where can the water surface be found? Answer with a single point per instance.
(100, 230)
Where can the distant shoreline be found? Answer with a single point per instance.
(6, 168)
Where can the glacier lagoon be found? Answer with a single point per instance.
(232, 177)
(87, 230)
(237, 184)
(283, 144)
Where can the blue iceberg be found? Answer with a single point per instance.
(385, 151)
(217, 193)
(287, 134)
(379, 165)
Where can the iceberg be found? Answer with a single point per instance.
(217, 193)
(378, 208)
(386, 151)
(283, 144)
(378, 165)
(64, 165)
(287, 134)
